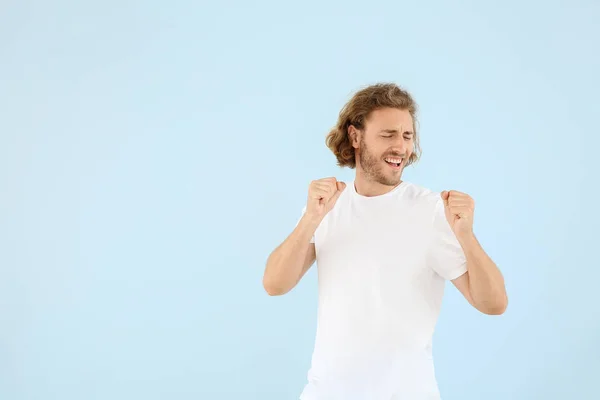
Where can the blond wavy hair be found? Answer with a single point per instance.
(356, 112)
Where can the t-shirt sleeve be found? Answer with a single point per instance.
(312, 239)
(445, 253)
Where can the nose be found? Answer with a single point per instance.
(400, 146)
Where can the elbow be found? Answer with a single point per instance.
(272, 288)
(496, 308)
(272, 282)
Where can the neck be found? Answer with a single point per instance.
(366, 186)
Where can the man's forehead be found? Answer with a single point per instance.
(391, 120)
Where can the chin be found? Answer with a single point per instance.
(390, 180)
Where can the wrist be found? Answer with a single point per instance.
(466, 238)
(310, 220)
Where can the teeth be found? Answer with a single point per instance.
(394, 160)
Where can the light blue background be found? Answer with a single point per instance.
(152, 154)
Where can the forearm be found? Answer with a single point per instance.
(287, 262)
(486, 283)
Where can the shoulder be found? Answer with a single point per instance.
(423, 201)
(420, 194)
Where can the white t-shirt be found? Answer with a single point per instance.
(382, 265)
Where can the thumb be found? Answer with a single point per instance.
(445, 195)
(340, 188)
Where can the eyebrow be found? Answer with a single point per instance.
(396, 131)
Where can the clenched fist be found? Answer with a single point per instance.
(459, 208)
(322, 195)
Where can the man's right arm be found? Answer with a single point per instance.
(288, 263)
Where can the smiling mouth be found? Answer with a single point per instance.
(394, 162)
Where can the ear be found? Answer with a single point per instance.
(354, 136)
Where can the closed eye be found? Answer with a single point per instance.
(390, 133)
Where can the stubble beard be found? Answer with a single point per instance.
(373, 168)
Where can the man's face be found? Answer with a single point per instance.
(384, 145)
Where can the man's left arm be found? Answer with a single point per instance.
(483, 284)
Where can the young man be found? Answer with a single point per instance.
(384, 249)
